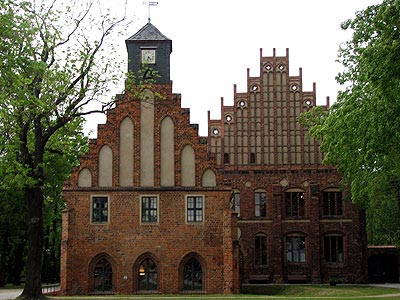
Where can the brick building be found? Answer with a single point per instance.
(154, 207)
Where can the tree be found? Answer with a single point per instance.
(51, 68)
(360, 133)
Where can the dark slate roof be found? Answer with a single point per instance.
(148, 33)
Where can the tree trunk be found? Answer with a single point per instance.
(18, 264)
(33, 284)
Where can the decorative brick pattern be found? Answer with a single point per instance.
(256, 145)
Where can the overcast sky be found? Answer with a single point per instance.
(215, 41)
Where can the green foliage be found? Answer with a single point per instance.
(51, 70)
(55, 68)
(361, 132)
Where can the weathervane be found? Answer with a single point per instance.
(150, 3)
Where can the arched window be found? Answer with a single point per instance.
(332, 202)
(333, 248)
(147, 275)
(260, 250)
(296, 248)
(192, 275)
(260, 203)
(294, 203)
(103, 274)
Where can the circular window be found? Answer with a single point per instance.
(281, 67)
(268, 67)
(242, 103)
(294, 87)
(215, 131)
(228, 118)
(254, 88)
(308, 102)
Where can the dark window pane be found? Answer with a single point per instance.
(260, 204)
(149, 209)
(103, 276)
(332, 204)
(194, 209)
(260, 250)
(192, 276)
(295, 249)
(294, 204)
(100, 209)
(333, 248)
(147, 275)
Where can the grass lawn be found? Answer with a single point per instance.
(314, 292)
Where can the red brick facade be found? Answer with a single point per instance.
(193, 234)
(259, 146)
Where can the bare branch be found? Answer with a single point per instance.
(76, 27)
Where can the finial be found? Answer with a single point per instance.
(150, 3)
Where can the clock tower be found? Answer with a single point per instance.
(149, 46)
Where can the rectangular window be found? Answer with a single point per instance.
(149, 209)
(194, 206)
(260, 250)
(333, 203)
(260, 203)
(294, 204)
(333, 248)
(296, 249)
(100, 209)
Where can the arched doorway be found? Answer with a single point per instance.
(147, 276)
(103, 276)
(192, 275)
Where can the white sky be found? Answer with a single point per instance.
(215, 41)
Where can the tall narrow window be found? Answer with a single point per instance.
(260, 204)
(226, 158)
(296, 249)
(149, 209)
(103, 276)
(333, 203)
(99, 209)
(192, 276)
(148, 276)
(236, 199)
(333, 248)
(260, 250)
(294, 204)
(252, 158)
(194, 207)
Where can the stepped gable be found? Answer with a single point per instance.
(129, 107)
(260, 130)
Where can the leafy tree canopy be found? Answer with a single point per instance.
(360, 133)
(53, 64)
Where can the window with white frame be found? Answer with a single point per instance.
(149, 209)
(194, 209)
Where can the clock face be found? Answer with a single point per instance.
(149, 56)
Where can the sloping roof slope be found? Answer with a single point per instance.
(148, 33)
